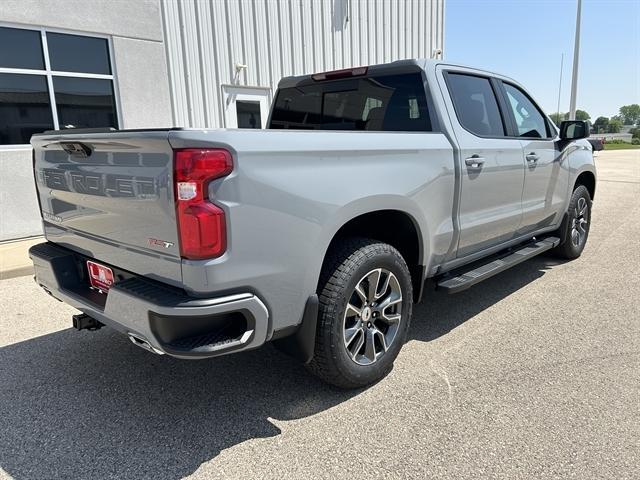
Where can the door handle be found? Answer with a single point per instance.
(474, 161)
(532, 157)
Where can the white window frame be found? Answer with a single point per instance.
(49, 74)
(233, 93)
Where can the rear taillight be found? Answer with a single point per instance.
(201, 224)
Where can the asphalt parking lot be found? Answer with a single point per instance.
(534, 373)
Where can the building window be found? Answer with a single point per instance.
(248, 114)
(51, 80)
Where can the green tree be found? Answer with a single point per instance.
(635, 132)
(615, 126)
(561, 117)
(582, 115)
(600, 125)
(630, 114)
(557, 118)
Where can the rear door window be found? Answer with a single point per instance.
(475, 104)
(374, 103)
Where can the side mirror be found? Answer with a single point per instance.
(574, 129)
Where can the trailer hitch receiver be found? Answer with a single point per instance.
(82, 321)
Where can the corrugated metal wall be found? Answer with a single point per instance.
(205, 39)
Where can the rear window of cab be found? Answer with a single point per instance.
(374, 103)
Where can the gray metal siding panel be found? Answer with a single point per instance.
(205, 40)
(122, 18)
(19, 211)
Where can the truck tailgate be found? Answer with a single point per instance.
(109, 196)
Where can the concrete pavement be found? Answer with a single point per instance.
(14, 257)
(532, 374)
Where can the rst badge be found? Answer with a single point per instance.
(154, 242)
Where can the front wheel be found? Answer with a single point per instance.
(366, 298)
(577, 225)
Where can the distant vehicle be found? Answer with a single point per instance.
(317, 234)
(597, 144)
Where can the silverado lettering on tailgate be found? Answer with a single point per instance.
(108, 185)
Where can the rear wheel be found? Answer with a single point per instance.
(577, 225)
(364, 313)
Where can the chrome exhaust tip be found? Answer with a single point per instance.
(143, 343)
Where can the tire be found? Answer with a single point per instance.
(576, 228)
(379, 318)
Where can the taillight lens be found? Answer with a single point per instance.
(201, 224)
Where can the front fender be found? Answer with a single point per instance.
(580, 156)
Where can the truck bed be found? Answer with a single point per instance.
(275, 200)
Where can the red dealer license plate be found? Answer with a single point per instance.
(100, 277)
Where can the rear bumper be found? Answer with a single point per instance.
(165, 317)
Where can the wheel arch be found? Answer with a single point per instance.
(398, 228)
(300, 343)
(588, 179)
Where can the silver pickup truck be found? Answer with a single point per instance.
(319, 233)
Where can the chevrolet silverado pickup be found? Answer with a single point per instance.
(320, 232)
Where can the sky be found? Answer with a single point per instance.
(525, 40)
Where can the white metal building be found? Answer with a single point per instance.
(190, 63)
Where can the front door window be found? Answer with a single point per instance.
(529, 120)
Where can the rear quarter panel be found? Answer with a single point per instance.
(291, 191)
